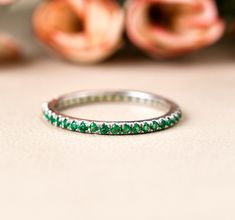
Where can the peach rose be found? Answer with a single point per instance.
(85, 31)
(169, 28)
(9, 49)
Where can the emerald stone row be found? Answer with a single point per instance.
(109, 128)
(65, 103)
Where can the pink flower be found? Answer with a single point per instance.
(168, 28)
(6, 2)
(84, 31)
(9, 49)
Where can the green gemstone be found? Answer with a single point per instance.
(162, 124)
(97, 99)
(105, 98)
(104, 129)
(47, 116)
(168, 122)
(93, 127)
(83, 128)
(74, 126)
(176, 118)
(113, 98)
(115, 129)
(53, 119)
(146, 127)
(66, 123)
(136, 129)
(179, 115)
(122, 98)
(126, 129)
(154, 126)
(58, 121)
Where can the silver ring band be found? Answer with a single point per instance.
(52, 113)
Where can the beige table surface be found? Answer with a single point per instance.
(184, 173)
(187, 172)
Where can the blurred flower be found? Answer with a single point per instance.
(168, 28)
(6, 2)
(9, 49)
(84, 31)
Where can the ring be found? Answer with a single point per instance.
(52, 113)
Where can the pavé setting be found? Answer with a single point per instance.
(104, 129)
(126, 129)
(52, 113)
(115, 129)
(93, 127)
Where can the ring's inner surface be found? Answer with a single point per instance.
(116, 103)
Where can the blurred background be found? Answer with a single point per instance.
(181, 49)
(97, 31)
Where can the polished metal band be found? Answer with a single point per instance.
(52, 112)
